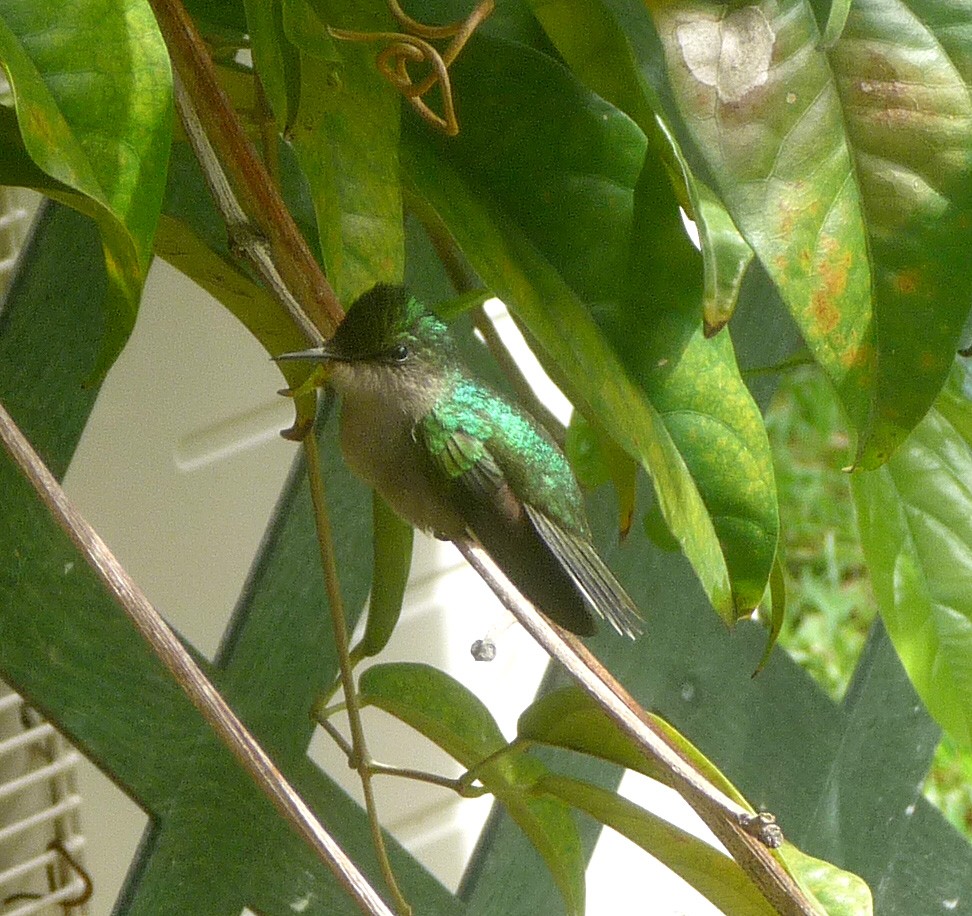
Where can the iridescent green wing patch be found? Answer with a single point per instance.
(459, 456)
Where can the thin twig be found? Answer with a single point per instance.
(342, 646)
(749, 838)
(170, 651)
(458, 784)
(414, 45)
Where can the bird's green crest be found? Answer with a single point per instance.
(380, 318)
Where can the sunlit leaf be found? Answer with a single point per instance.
(695, 383)
(98, 119)
(439, 707)
(570, 718)
(836, 20)
(713, 874)
(848, 173)
(345, 108)
(915, 520)
(838, 892)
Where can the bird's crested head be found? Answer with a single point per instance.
(387, 324)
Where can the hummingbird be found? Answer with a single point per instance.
(455, 458)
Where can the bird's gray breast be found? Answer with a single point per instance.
(379, 444)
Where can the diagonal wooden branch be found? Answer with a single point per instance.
(245, 175)
(749, 838)
(204, 696)
(243, 240)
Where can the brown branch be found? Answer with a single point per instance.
(748, 837)
(262, 205)
(190, 677)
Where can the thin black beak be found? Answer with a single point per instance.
(314, 355)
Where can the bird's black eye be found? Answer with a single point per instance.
(399, 353)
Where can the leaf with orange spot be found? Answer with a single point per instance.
(847, 166)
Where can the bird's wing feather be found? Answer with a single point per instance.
(585, 566)
(495, 516)
(486, 497)
(461, 458)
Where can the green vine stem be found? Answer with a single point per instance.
(461, 785)
(359, 748)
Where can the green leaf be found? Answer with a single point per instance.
(93, 95)
(696, 385)
(436, 705)
(596, 458)
(518, 268)
(443, 710)
(392, 561)
(836, 20)
(915, 520)
(839, 892)
(848, 173)
(599, 51)
(275, 58)
(570, 718)
(345, 109)
(585, 449)
(712, 873)
(955, 401)
(17, 169)
(777, 596)
(726, 254)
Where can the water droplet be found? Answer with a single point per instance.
(688, 691)
(483, 650)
